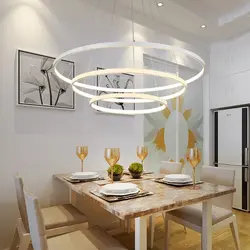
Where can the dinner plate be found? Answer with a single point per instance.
(103, 191)
(84, 175)
(177, 177)
(178, 181)
(179, 184)
(119, 188)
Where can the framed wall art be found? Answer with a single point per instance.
(38, 86)
(124, 81)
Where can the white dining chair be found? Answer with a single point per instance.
(166, 167)
(169, 167)
(57, 219)
(89, 239)
(222, 215)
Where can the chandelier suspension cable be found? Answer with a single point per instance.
(143, 7)
(88, 66)
(133, 30)
(97, 5)
(114, 9)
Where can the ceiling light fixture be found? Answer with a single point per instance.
(132, 95)
(160, 4)
(203, 26)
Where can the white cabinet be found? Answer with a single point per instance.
(230, 136)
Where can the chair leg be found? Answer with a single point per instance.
(24, 243)
(167, 232)
(152, 230)
(235, 233)
(15, 240)
(185, 230)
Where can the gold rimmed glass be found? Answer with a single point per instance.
(194, 157)
(142, 153)
(112, 156)
(81, 152)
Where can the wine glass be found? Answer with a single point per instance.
(82, 153)
(193, 156)
(112, 156)
(142, 153)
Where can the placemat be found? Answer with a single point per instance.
(67, 178)
(177, 184)
(141, 193)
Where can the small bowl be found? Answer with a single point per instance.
(136, 175)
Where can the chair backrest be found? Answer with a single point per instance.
(36, 223)
(21, 200)
(222, 176)
(168, 167)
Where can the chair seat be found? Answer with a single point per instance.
(62, 215)
(193, 214)
(89, 239)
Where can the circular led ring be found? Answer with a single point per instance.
(130, 44)
(128, 112)
(151, 72)
(167, 75)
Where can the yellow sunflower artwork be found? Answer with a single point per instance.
(160, 133)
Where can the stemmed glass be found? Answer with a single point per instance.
(82, 153)
(142, 153)
(193, 156)
(112, 156)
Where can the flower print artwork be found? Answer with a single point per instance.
(39, 86)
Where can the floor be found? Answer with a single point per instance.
(222, 240)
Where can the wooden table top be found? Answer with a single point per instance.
(165, 197)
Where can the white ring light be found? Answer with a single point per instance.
(120, 93)
(128, 112)
(130, 44)
(181, 82)
(127, 71)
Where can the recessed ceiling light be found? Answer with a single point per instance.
(203, 26)
(160, 4)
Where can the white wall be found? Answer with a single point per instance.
(39, 142)
(230, 72)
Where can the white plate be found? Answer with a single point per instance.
(177, 177)
(84, 174)
(178, 181)
(136, 190)
(179, 184)
(119, 188)
(84, 178)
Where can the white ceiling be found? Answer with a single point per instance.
(211, 8)
(224, 18)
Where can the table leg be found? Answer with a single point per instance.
(70, 196)
(167, 223)
(141, 233)
(152, 230)
(206, 233)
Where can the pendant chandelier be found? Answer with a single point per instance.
(133, 95)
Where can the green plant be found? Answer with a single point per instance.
(136, 167)
(118, 169)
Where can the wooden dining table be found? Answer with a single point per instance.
(165, 198)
